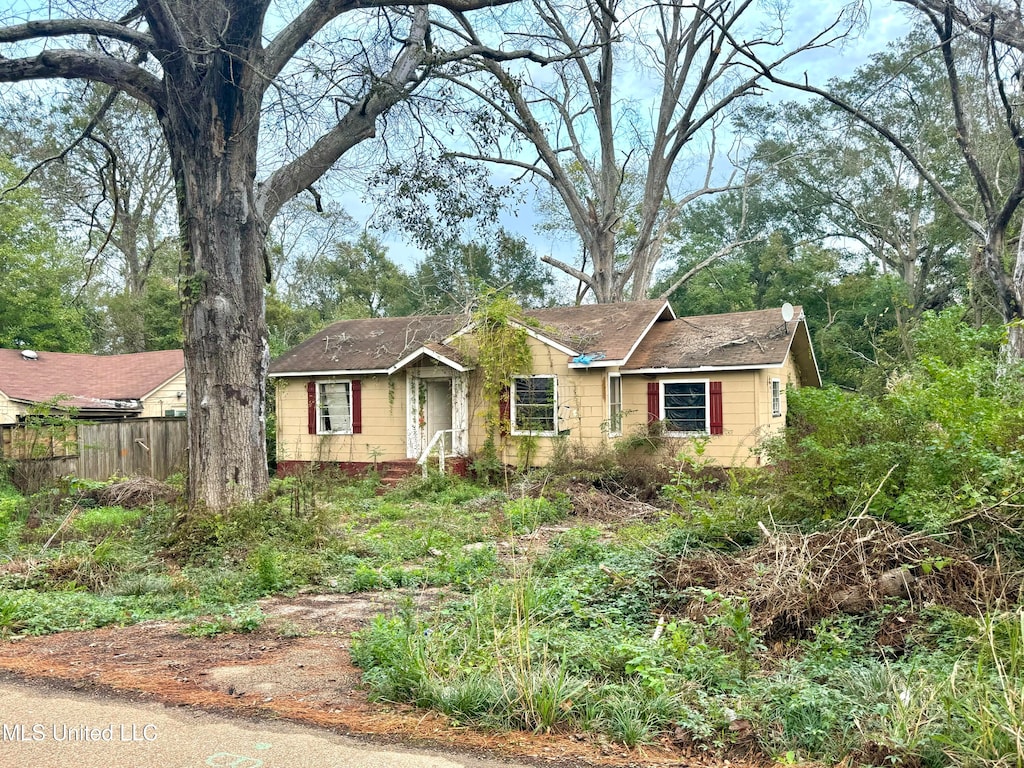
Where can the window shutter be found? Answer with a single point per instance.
(311, 405)
(715, 391)
(505, 411)
(653, 401)
(357, 407)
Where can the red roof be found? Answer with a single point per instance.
(88, 382)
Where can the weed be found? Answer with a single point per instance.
(242, 621)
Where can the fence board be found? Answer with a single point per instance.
(153, 447)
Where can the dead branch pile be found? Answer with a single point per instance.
(792, 580)
(136, 492)
(594, 504)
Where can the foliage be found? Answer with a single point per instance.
(501, 351)
(451, 277)
(945, 437)
(38, 277)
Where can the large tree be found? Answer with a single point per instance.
(633, 92)
(981, 60)
(209, 71)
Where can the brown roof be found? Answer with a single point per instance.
(611, 329)
(737, 339)
(740, 339)
(367, 344)
(377, 344)
(90, 382)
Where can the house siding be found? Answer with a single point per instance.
(582, 413)
(384, 426)
(9, 411)
(165, 398)
(582, 408)
(746, 407)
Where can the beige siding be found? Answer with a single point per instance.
(582, 408)
(9, 411)
(165, 398)
(746, 412)
(582, 414)
(383, 417)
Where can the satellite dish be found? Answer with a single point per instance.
(28, 354)
(787, 312)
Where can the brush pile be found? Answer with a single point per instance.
(792, 580)
(136, 492)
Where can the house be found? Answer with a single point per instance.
(96, 387)
(368, 391)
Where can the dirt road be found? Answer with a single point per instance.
(45, 728)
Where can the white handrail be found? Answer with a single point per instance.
(438, 436)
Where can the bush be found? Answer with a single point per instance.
(947, 436)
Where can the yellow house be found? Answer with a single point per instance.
(96, 387)
(392, 390)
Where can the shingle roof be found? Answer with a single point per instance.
(611, 329)
(368, 344)
(90, 382)
(377, 344)
(737, 339)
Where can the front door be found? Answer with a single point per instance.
(437, 410)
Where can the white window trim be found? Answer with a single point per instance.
(612, 432)
(774, 387)
(319, 414)
(707, 405)
(554, 410)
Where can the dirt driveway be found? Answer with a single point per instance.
(307, 678)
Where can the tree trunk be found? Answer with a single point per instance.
(226, 348)
(213, 138)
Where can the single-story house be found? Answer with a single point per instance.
(96, 387)
(380, 390)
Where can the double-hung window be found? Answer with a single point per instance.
(534, 405)
(334, 408)
(614, 404)
(685, 406)
(776, 397)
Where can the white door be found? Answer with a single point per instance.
(437, 410)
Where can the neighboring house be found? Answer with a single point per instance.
(368, 391)
(96, 387)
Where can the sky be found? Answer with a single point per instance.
(886, 21)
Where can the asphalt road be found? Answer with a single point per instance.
(46, 728)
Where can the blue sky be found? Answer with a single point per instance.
(886, 21)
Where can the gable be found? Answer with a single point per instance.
(733, 341)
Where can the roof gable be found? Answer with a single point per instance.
(610, 331)
(366, 345)
(757, 339)
(86, 382)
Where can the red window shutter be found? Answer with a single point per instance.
(653, 401)
(715, 391)
(311, 405)
(357, 407)
(505, 411)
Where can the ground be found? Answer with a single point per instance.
(295, 667)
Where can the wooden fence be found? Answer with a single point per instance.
(97, 451)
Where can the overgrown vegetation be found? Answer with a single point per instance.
(858, 603)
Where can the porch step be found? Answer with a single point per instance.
(394, 472)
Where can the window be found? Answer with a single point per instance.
(685, 406)
(614, 404)
(534, 405)
(334, 408)
(776, 397)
